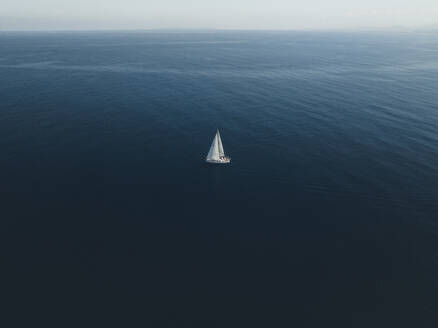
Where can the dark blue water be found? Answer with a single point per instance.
(327, 216)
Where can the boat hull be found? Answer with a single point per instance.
(220, 161)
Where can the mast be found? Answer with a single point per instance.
(221, 147)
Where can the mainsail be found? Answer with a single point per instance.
(221, 148)
(213, 154)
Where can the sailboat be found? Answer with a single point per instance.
(216, 155)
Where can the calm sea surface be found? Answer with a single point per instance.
(327, 216)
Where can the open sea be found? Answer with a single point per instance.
(326, 217)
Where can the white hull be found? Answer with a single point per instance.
(219, 161)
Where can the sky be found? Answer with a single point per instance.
(215, 14)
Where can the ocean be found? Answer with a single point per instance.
(327, 215)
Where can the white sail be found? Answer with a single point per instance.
(221, 148)
(213, 154)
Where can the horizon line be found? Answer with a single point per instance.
(179, 29)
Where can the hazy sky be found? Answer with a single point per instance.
(226, 14)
